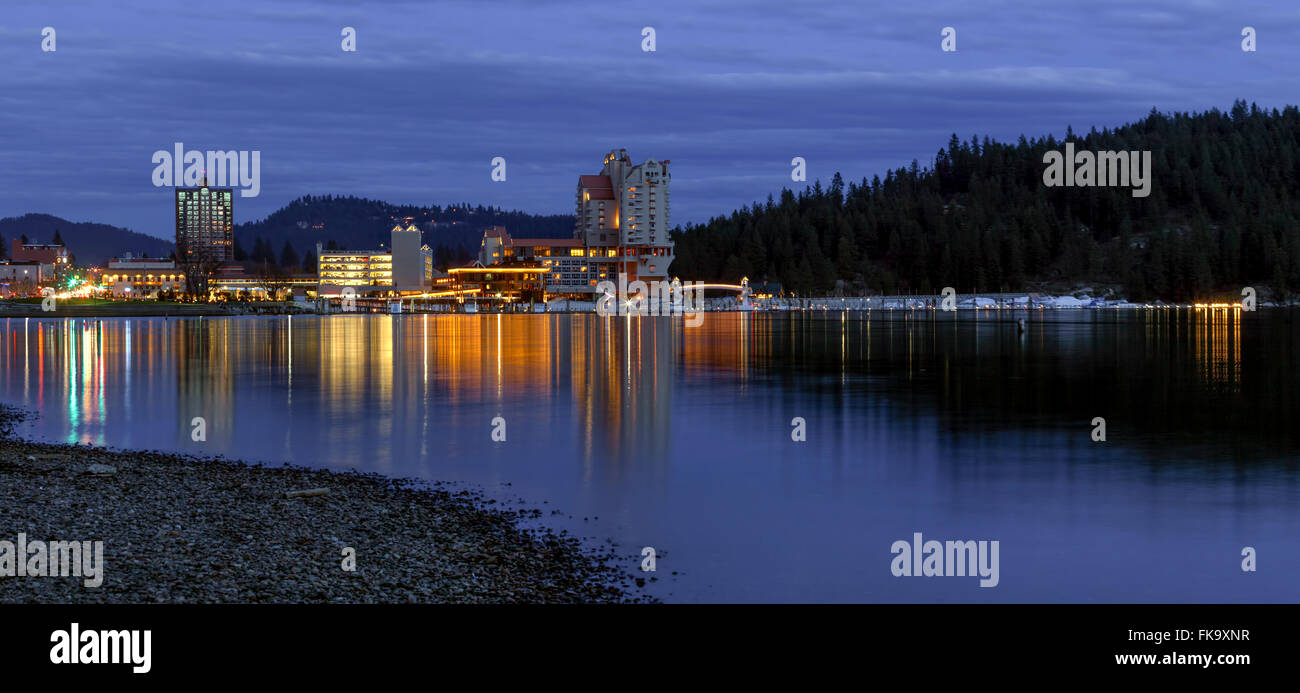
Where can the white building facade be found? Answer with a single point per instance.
(624, 219)
(129, 277)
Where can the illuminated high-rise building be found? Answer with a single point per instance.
(623, 219)
(204, 225)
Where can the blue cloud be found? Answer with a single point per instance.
(435, 91)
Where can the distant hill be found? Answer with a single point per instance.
(90, 243)
(352, 223)
(360, 224)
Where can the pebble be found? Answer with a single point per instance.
(182, 529)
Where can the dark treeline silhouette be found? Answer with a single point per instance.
(1221, 214)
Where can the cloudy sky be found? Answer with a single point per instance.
(435, 90)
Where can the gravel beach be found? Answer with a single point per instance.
(179, 529)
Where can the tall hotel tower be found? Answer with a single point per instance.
(623, 219)
(204, 225)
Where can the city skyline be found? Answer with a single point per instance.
(432, 95)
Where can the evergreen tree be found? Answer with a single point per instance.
(1221, 213)
(288, 257)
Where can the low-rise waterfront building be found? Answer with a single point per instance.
(133, 277)
(569, 271)
(20, 277)
(406, 268)
(267, 282)
(53, 257)
(514, 281)
(360, 269)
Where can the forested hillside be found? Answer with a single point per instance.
(1222, 213)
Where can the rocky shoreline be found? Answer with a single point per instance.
(180, 529)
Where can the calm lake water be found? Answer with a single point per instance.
(679, 438)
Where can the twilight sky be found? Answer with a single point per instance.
(435, 90)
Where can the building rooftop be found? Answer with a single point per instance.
(597, 187)
(552, 242)
(125, 260)
(381, 251)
